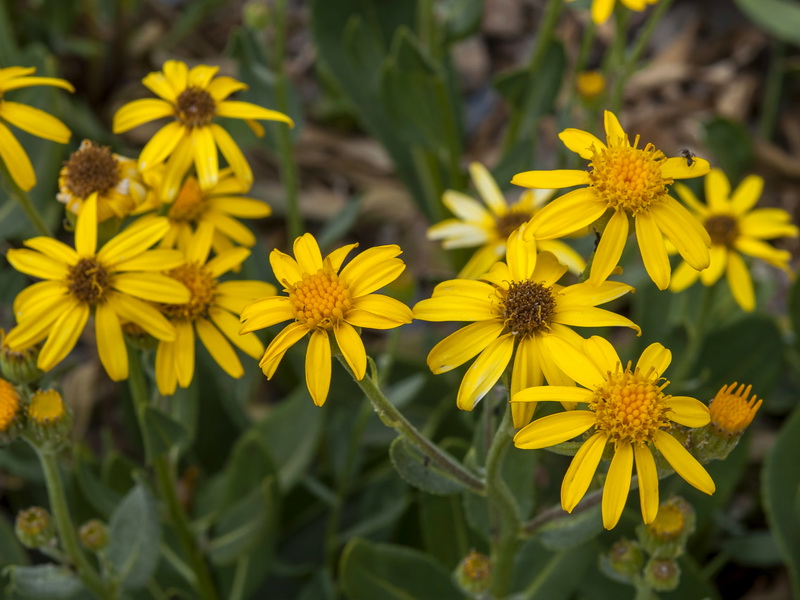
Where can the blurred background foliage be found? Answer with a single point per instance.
(391, 99)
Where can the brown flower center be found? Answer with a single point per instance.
(88, 280)
(202, 286)
(722, 229)
(195, 107)
(528, 308)
(91, 168)
(190, 204)
(510, 222)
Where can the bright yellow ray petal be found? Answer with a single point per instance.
(586, 294)
(177, 73)
(746, 195)
(554, 179)
(318, 366)
(352, 348)
(285, 267)
(36, 264)
(158, 84)
(610, 248)
(201, 75)
(615, 134)
(466, 208)
(205, 157)
(161, 145)
(184, 356)
(33, 330)
(482, 260)
(581, 471)
(178, 165)
(139, 112)
(581, 142)
(653, 250)
(684, 276)
(23, 82)
(63, 335)
(152, 286)
(306, 252)
(572, 361)
(601, 10)
(110, 342)
(688, 411)
(485, 372)
(740, 282)
(132, 310)
(34, 121)
(617, 486)
(565, 254)
(654, 360)
(526, 373)
(230, 150)
(552, 373)
(133, 241)
(444, 308)
(591, 316)
(152, 260)
(272, 309)
(226, 261)
(229, 326)
(521, 257)
(647, 473)
(488, 189)
(684, 463)
(554, 429)
(376, 311)
(565, 215)
(682, 229)
(54, 249)
(243, 208)
(288, 336)
(688, 197)
(166, 373)
(39, 296)
(462, 345)
(246, 290)
(234, 109)
(86, 228)
(678, 167)
(223, 86)
(762, 250)
(601, 353)
(718, 191)
(553, 393)
(718, 263)
(465, 288)
(336, 258)
(767, 224)
(15, 158)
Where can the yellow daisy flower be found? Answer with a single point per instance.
(476, 226)
(219, 206)
(518, 305)
(27, 118)
(193, 98)
(212, 313)
(114, 282)
(94, 169)
(628, 182)
(322, 298)
(731, 411)
(735, 228)
(602, 9)
(627, 408)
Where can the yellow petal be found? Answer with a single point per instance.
(553, 393)
(554, 179)
(654, 252)
(682, 229)
(244, 208)
(166, 373)
(205, 157)
(158, 84)
(586, 294)
(565, 215)
(336, 258)
(288, 336)
(110, 342)
(684, 463)
(161, 145)
(718, 263)
(767, 224)
(654, 360)
(718, 191)
(372, 269)
(35, 121)
(462, 345)
(245, 110)
(582, 143)
(146, 316)
(572, 361)
(591, 316)
(318, 366)
(133, 241)
(138, 112)
(565, 254)
(201, 75)
(229, 326)
(246, 290)
(482, 260)
(601, 10)
(352, 348)
(219, 348)
(152, 260)
(615, 134)
(54, 249)
(222, 87)
(488, 189)
(152, 286)
(266, 312)
(552, 373)
(465, 288)
(602, 354)
(610, 248)
(285, 267)
(647, 473)
(688, 411)
(684, 276)
(64, 334)
(177, 73)
(376, 311)
(485, 372)
(36, 264)
(740, 282)
(37, 296)
(466, 208)
(306, 252)
(688, 197)
(178, 165)
(746, 195)
(462, 309)
(678, 167)
(226, 261)
(554, 429)
(230, 150)
(526, 373)
(581, 471)
(15, 158)
(618, 484)
(521, 257)
(33, 330)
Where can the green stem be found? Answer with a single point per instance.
(138, 388)
(393, 418)
(504, 511)
(25, 203)
(696, 333)
(772, 91)
(66, 530)
(294, 219)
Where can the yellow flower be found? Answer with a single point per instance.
(590, 84)
(629, 182)
(324, 297)
(113, 281)
(94, 169)
(476, 226)
(218, 206)
(193, 99)
(27, 118)
(731, 413)
(735, 228)
(602, 9)
(212, 314)
(519, 306)
(9, 405)
(627, 408)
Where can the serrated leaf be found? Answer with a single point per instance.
(571, 530)
(370, 571)
(46, 582)
(134, 534)
(417, 470)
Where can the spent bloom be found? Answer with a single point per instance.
(517, 307)
(488, 225)
(114, 283)
(193, 98)
(626, 407)
(735, 228)
(627, 182)
(33, 120)
(94, 169)
(324, 298)
(212, 314)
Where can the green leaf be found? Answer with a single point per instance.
(11, 551)
(540, 574)
(102, 498)
(755, 548)
(46, 582)
(370, 571)
(417, 469)
(248, 466)
(246, 525)
(444, 532)
(780, 491)
(134, 534)
(780, 18)
(461, 18)
(163, 432)
(731, 145)
(571, 530)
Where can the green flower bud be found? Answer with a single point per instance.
(662, 574)
(473, 573)
(624, 560)
(19, 366)
(49, 418)
(34, 527)
(93, 535)
(666, 536)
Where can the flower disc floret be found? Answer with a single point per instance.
(195, 107)
(528, 307)
(91, 168)
(9, 404)
(630, 406)
(202, 286)
(723, 229)
(627, 177)
(731, 412)
(89, 280)
(320, 300)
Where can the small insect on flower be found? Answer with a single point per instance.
(689, 156)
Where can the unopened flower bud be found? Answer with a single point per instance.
(662, 574)
(34, 527)
(19, 366)
(624, 560)
(666, 536)
(590, 84)
(731, 413)
(49, 418)
(473, 573)
(10, 412)
(93, 535)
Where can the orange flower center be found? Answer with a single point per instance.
(202, 286)
(320, 300)
(190, 204)
(627, 177)
(723, 230)
(47, 406)
(9, 404)
(528, 307)
(195, 107)
(88, 280)
(506, 225)
(669, 522)
(630, 406)
(91, 168)
(731, 413)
